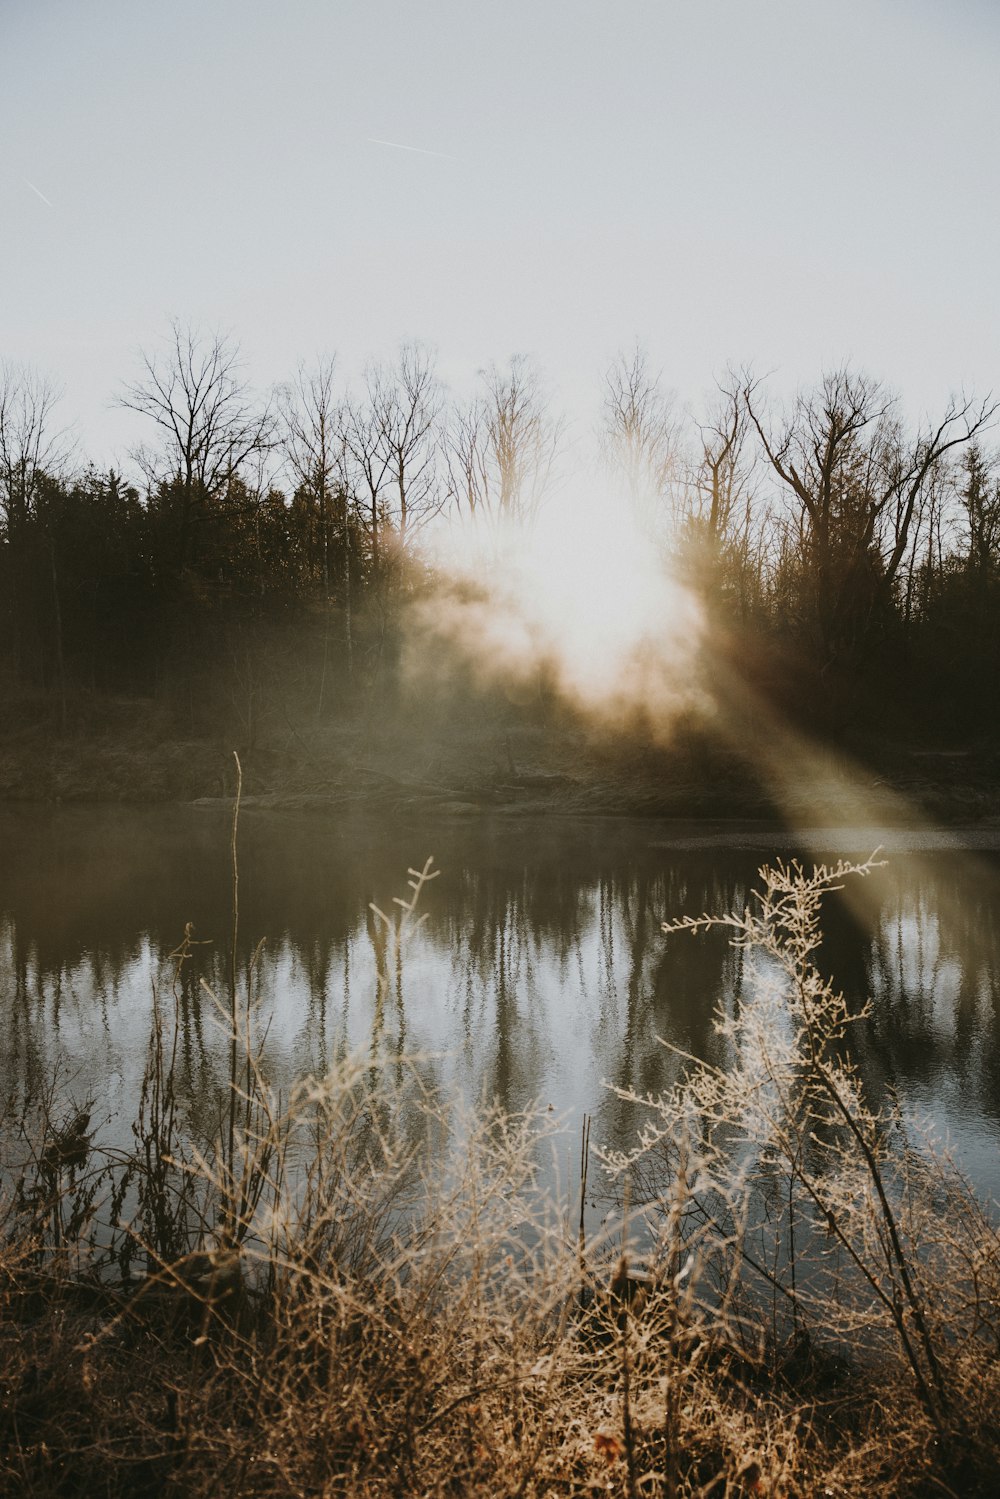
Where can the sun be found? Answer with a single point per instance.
(583, 595)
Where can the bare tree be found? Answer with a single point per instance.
(366, 469)
(465, 459)
(721, 481)
(726, 529)
(502, 447)
(29, 448)
(406, 401)
(30, 452)
(208, 422)
(979, 497)
(315, 449)
(390, 440)
(855, 480)
(310, 441)
(640, 435)
(933, 524)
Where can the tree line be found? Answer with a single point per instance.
(830, 541)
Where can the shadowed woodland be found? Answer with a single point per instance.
(250, 569)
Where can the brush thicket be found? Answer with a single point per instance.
(363, 1289)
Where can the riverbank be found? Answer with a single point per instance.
(131, 751)
(381, 1322)
(346, 1283)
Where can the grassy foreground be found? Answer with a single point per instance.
(365, 1291)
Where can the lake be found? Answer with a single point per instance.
(540, 972)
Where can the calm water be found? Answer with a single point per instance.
(540, 972)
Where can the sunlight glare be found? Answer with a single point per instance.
(581, 598)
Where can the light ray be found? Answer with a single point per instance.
(827, 799)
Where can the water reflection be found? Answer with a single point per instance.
(540, 970)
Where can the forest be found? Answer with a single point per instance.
(256, 560)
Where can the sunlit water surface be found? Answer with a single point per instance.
(539, 976)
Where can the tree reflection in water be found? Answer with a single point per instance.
(540, 970)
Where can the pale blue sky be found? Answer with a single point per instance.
(777, 181)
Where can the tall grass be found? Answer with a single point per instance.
(363, 1288)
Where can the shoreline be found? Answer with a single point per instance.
(503, 767)
(673, 834)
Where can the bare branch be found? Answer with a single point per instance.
(29, 448)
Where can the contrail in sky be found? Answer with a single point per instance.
(38, 192)
(420, 150)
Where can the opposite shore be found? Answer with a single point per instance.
(129, 752)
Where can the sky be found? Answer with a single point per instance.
(788, 183)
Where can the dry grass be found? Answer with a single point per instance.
(364, 1291)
